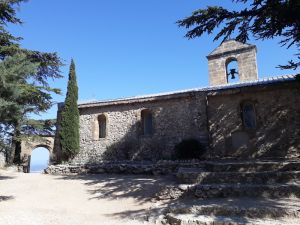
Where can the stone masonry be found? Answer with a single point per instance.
(277, 134)
(229, 51)
(174, 118)
(31, 143)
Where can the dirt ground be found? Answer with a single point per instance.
(38, 199)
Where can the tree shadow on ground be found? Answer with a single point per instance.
(6, 198)
(227, 207)
(145, 188)
(6, 177)
(142, 188)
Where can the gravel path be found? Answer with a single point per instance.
(37, 199)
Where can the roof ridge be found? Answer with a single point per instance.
(263, 80)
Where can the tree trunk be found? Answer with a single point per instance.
(15, 154)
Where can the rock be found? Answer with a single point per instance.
(169, 192)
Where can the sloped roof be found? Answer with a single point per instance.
(230, 46)
(143, 98)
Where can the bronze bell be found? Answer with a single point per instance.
(232, 72)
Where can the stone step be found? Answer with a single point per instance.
(252, 166)
(192, 219)
(192, 175)
(240, 207)
(249, 190)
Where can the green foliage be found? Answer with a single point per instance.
(189, 149)
(69, 132)
(14, 87)
(24, 75)
(39, 127)
(263, 19)
(14, 72)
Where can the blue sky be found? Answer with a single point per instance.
(39, 159)
(128, 48)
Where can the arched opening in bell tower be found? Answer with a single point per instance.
(232, 70)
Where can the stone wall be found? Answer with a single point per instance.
(175, 117)
(184, 115)
(277, 133)
(161, 167)
(31, 143)
(213, 117)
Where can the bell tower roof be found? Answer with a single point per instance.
(228, 47)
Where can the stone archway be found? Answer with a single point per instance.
(31, 143)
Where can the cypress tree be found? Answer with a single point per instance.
(69, 132)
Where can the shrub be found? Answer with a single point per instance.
(189, 149)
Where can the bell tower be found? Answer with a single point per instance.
(230, 51)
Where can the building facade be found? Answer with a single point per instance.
(249, 119)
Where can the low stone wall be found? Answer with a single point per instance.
(123, 167)
(171, 166)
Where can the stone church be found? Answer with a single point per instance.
(253, 118)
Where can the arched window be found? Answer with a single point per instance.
(102, 126)
(232, 72)
(147, 123)
(248, 115)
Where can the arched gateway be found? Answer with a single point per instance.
(31, 143)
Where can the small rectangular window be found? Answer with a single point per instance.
(249, 117)
(102, 126)
(147, 122)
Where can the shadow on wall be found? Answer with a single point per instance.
(136, 146)
(279, 131)
(156, 142)
(276, 134)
